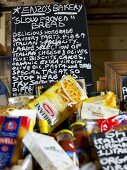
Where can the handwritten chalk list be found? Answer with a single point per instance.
(124, 87)
(123, 91)
(48, 42)
(111, 149)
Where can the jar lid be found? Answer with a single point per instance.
(43, 126)
(78, 123)
(65, 131)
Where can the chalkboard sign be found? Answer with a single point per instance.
(123, 84)
(124, 87)
(48, 42)
(111, 149)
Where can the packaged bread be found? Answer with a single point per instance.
(12, 131)
(59, 101)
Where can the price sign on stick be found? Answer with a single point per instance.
(48, 42)
(111, 149)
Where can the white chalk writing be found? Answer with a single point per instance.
(112, 150)
(45, 47)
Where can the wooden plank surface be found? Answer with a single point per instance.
(113, 73)
(108, 43)
(2, 50)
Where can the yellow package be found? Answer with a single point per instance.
(110, 100)
(58, 102)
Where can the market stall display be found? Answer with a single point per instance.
(80, 131)
(50, 53)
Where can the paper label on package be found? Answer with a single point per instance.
(47, 152)
(97, 111)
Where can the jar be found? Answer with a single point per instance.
(75, 116)
(92, 127)
(65, 139)
(81, 142)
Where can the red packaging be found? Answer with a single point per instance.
(114, 123)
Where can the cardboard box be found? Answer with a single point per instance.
(47, 152)
(113, 73)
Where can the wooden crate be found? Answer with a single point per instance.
(2, 50)
(113, 73)
(101, 84)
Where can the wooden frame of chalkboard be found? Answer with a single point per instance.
(48, 42)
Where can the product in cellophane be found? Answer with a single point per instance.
(99, 107)
(19, 102)
(58, 102)
(113, 123)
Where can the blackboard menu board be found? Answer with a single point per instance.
(111, 149)
(124, 87)
(48, 42)
(123, 84)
